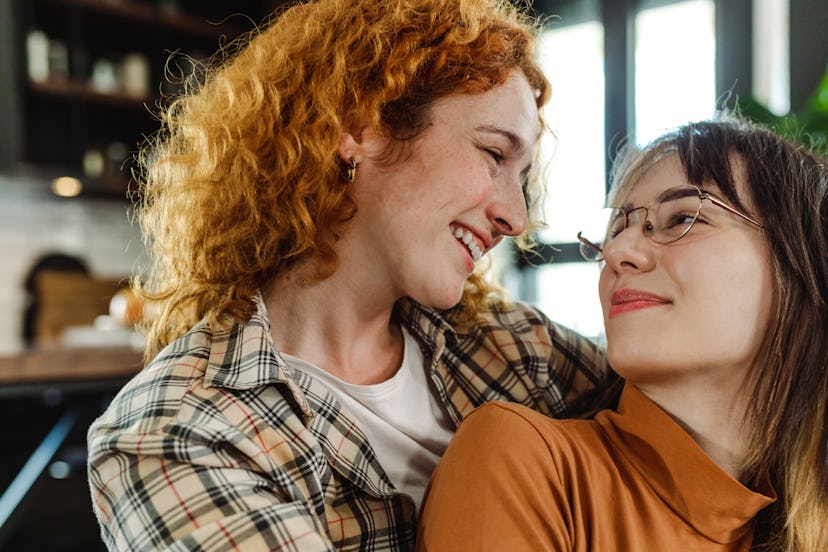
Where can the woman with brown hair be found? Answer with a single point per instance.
(714, 288)
(318, 211)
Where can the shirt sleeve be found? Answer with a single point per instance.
(559, 366)
(578, 366)
(178, 475)
(496, 488)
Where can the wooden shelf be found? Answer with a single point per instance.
(82, 91)
(153, 16)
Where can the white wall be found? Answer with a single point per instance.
(34, 222)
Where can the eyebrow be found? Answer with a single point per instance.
(515, 140)
(667, 195)
(675, 193)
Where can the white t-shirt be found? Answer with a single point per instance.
(403, 420)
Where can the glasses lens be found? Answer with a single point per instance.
(674, 214)
(595, 231)
(590, 251)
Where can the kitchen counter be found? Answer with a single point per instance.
(71, 366)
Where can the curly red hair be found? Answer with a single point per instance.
(243, 180)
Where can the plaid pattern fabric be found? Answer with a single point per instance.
(218, 445)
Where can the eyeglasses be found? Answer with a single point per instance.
(666, 220)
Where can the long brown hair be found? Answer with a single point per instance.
(787, 416)
(243, 180)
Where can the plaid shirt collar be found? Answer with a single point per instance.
(236, 357)
(236, 350)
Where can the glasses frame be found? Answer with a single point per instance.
(586, 246)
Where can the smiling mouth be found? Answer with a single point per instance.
(468, 239)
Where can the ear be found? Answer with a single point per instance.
(363, 143)
(348, 146)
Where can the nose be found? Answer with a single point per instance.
(507, 210)
(630, 250)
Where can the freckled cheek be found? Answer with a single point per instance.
(477, 182)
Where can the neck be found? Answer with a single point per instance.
(336, 324)
(712, 414)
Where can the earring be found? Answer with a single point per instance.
(350, 170)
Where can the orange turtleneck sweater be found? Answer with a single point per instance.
(629, 480)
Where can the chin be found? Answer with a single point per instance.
(445, 304)
(622, 353)
(444, 299)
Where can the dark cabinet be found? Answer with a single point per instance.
(80, 79)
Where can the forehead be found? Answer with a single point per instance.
(667, 173)
(510, 106)
(664, 174)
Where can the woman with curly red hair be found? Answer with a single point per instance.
(317, 211)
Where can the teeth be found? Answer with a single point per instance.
(468, 239)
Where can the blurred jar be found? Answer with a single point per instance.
(126, 308)
(135, 75)
(37, 55)
(104, 78)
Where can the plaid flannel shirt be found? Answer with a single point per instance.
(218, 445)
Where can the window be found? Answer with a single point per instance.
(573, 59)
(771, 68)
(673, 51)
(675, 58)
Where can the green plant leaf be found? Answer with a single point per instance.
(809, 127)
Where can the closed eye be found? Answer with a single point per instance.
(495, 154)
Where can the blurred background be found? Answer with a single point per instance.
(79, 79)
